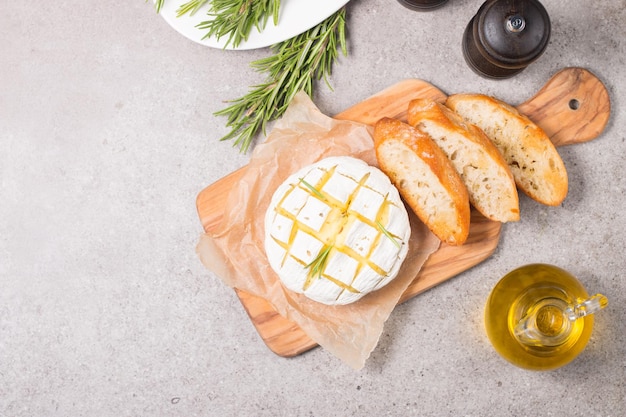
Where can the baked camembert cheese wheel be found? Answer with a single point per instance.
(336, 230)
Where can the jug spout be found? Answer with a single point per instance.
(549, 321)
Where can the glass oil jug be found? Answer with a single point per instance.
(540, 317)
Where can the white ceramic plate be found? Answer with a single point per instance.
(296, 16)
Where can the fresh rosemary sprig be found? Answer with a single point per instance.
(317, 264)
(386, 233)
(294, 66)
(237, 18)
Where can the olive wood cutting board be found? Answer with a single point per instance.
(572, 107)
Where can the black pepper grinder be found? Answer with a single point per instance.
(422, 5)
(505, 36)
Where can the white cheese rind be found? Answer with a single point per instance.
(346, 209)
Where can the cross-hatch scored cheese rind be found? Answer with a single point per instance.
(337, 211)
(327, 224)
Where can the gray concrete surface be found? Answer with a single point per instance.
(107, 135)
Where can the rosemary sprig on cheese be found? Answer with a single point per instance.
(312, 189)
(387, 233)
(317, 265)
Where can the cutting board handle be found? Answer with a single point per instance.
(573, 107)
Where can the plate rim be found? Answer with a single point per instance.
(296, 17)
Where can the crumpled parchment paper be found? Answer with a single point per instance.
(234, 251)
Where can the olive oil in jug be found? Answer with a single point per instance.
(540, 317)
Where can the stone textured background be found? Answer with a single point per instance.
(107, 135)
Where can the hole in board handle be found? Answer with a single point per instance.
(574, 104)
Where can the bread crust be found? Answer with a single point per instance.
(425, 177)
(533, 159)
(478, 161)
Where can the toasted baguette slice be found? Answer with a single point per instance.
(534, 161)
(425, 178)
(480, 164)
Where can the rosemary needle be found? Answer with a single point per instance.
(295, 65)
(191, 7)
(158, 4)
(312, 189)
(386, 233)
